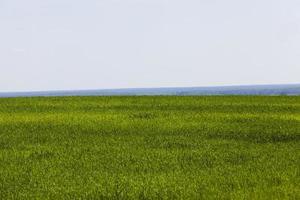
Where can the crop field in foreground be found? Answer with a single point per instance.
(150, 148)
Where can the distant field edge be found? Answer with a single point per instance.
(260, 90)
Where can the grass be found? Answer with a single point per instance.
(150, 148)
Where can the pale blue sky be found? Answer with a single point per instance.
(95, 44)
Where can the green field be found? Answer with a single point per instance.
(150, 148)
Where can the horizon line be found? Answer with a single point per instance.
(149, 88)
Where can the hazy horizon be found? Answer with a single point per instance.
(110, 44)
(278, 87)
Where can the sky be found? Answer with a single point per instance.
(97, 44)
